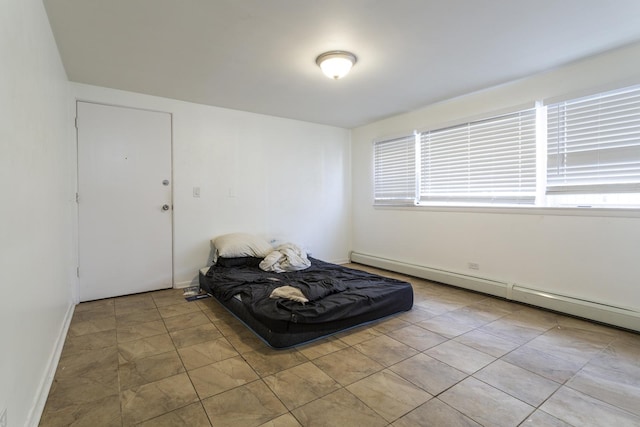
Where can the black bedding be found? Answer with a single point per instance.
(339, 298)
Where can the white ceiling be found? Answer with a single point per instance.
(259, 55)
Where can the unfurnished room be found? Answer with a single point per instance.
(320, 213)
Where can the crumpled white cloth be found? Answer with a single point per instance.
(289, 292)
(286, 257)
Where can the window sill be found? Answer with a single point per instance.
(521, 210)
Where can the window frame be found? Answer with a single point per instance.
(477, 148)
(543, 199)
(576, 145)
(391, 190)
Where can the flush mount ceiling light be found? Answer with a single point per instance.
(336, 63)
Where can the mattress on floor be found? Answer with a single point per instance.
(339, 298)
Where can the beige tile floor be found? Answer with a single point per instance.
(456, 359)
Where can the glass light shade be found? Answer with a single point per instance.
(336, 64)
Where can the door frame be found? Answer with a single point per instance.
(76, 297)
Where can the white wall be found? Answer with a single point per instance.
(588, 257)
(276, 177)
(37, 277)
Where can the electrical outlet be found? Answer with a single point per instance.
(473, 266)
(3, 418)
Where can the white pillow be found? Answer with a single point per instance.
(236, 245)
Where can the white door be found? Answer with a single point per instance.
(124, 201)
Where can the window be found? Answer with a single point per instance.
(589, 146)
(594, 144)
(395, 170)
(487, 161)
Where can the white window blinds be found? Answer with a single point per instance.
(395, 171)
(593, 144)
(488, 161)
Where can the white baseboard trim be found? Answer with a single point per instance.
(45, 385)
(611, 315)
(474, 283)
(616, 316)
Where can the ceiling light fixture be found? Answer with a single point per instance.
(336, 63)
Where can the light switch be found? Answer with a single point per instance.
(196, 191)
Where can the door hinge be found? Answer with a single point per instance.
(77, 198)
(78, 272)
(76, 122)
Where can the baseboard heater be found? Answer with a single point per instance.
(616, 316)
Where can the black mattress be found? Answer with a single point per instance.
(339, 298)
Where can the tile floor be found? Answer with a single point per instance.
(457, 359)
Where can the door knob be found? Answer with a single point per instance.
(165, 207)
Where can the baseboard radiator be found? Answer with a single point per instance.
(616, 316)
